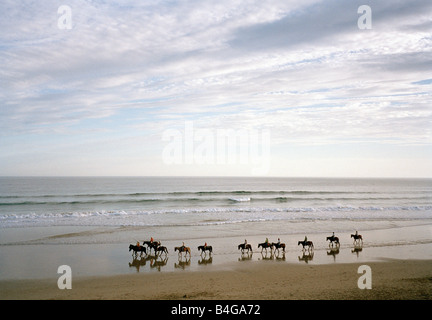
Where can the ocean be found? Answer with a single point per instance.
(206, 201)
(37, 213)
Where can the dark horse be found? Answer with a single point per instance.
(306, 244)
(244, 247)
(265, 245)
(151, 245)
(137, 249)
(333, 239)
(357, 237)
(161, 249)
(183, 249)
(204, 248)
(279, 246)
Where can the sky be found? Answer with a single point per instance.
(216, 88)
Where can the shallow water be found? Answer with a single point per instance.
(41, 260)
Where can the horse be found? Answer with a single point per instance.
(244, 247)
(333, 239)
(147, 243)
(137, 249)
(161, 249)
(265, 245)
(204, 248)
(152, 245)
(183, 249)
(306, 244)
(279, 246)
(357, 237)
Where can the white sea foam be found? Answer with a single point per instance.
(216, 215)
(243, 199)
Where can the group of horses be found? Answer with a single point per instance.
(358, 239)
(156, 246)
(158, 249)
(265, 245)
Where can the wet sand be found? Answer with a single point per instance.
(400, 260)
(390, 279)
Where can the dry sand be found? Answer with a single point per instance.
(391, 279)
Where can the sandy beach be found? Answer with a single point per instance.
(398, 269)
(390, 279)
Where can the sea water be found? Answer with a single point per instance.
(317, 205)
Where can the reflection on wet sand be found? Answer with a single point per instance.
(158, 263)
(155, 262)
(266, 256)
(183, 262)
(280, 257)
(333, 251)
(246, 256)
(137, 263)
(357, 249)
(204, 260)
(306, 256)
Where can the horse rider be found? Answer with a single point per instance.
(205, 246)
(305, 240)
(151, 240)
(138, 244)
(182, 247)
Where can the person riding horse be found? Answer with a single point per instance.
(182, 247)
(332, 239)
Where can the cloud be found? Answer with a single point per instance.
(303, 70)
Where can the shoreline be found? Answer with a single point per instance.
(400, 260)
(39, 258)
(390, 279)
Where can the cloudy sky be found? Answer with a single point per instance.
(149, 87)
